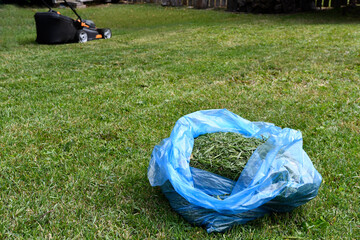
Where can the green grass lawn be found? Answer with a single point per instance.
(78, 122)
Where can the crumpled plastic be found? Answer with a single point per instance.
(278, 177)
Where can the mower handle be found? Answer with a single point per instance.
(66, 4)
(72, 9)
(47, 5)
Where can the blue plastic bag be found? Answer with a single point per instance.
(278, 177)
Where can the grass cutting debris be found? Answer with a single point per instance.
(78, 122)
(223, 153)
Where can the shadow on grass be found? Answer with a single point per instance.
(28, 42)
(153, 208)
(318, 17)
(331, 16)
(32, 42)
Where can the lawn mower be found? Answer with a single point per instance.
(54, 28)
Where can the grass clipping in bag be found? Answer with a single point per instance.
(225, 154)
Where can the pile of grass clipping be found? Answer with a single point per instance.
(225, 154)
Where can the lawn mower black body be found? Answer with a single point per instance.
(54, 28)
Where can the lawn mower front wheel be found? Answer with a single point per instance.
(81, 36)
(106, 32)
